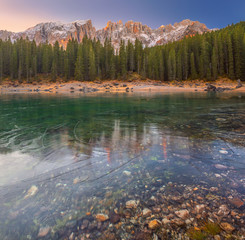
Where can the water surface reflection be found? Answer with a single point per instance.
(60, 157)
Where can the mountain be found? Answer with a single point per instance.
(62, 32)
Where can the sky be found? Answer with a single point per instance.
(18, 15)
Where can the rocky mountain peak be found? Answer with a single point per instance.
(116, 31)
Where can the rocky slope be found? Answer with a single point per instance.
(62, 32)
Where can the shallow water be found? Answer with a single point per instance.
(64, 156)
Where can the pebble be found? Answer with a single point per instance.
(223, 210)
(102, 217)
(187, 221)
(179, 222)
(114, 218)
(183, 214)
(227, 227)
(223, 152)
(199, 208)
(213, 189)
(146, 212)
(237, 202)
(132, 204)
(154, 224)
(165, 221)
(220, 166)
(76, 180)
(43, 231)
(127, 173)
(71, 237)
(217, 237)
(31, 192)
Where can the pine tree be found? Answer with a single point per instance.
(193, 67)
(214, 62)
(1, 63)
(237, 43)
(79, 66)
(138, 55)
(54, 70)
(123, 60)
(243, 59)
(185, 64)
(179, 66)
(130, 56)
(231, 59)
(161, 65)
(221, 68)
(112, 68)
(66, 67)
(14, 62)
(204, 61)
(92, 69)
(172, 65)
(45, 59)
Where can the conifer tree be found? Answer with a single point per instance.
(123, 60)
(1, 63)
(214, 62)
(237, 47)
(138, 55)
(243, 59)
(79, 66)
(221, 69)
(193, 67)
(112, 67)
(204, 61)
(172, 65)
(161, 65)
(92, 69)
(231, 59)
(185, 63)
(179, 67)
(14, 62)
(130, 56)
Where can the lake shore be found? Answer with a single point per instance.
(116, 86)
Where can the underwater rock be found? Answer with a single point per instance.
(127, 173)
(154, 224)
(146, 212)
(199, 208)
(143, 236)
(239, 84)
(102, 217)
(114, 218)
(183, 214)
(237, 202)
(132, 204)
(165, 221)
(177, 221)
(227, 227)
(31, 192)
(223, 210)
(220, 166)
(43, 232)
(210, 88)
(223, 152)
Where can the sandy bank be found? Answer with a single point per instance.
(115, 86)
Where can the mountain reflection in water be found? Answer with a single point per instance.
(58, 153)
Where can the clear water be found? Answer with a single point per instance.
(62, 156)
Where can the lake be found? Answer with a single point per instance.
(107, 166)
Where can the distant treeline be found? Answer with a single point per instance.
(207, 56)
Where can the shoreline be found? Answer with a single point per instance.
(116, 86)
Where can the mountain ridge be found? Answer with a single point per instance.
(116, 31)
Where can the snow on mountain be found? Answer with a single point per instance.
(130, 31)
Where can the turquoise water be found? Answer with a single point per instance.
(60, 156)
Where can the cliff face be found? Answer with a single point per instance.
(130, 31)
